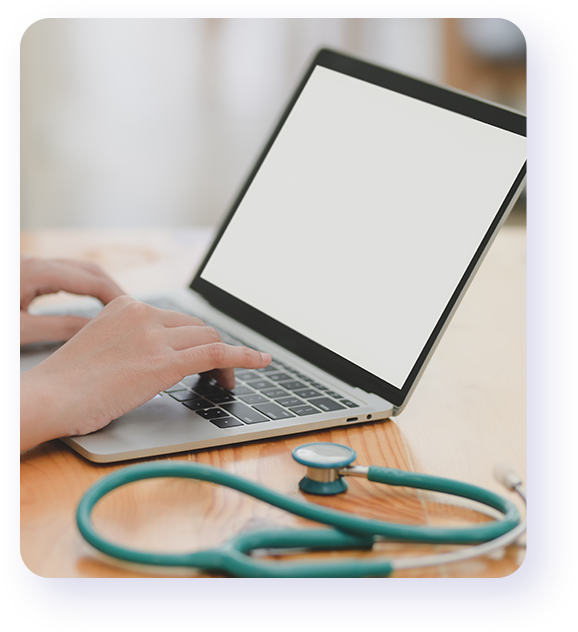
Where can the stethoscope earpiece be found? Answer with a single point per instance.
(323, 462)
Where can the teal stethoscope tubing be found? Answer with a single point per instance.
(349, 531)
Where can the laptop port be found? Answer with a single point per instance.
(352, 419)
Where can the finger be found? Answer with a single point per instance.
(186, 337)
(143, 315)
(87, 266)
(166, 317)
(190, 336)
(49, 328)
(178, 319)
(56, 276)
(100, 285)
(225, 377)
(218, 355)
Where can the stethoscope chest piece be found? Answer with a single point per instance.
(323, 462)
(327, 464)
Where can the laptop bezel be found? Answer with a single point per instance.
(306, 348)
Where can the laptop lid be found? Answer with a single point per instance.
(364, 220)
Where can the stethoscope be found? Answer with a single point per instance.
(327, 465)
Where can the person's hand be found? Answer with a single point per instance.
(121, 359)
(48, 276)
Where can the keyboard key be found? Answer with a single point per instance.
(290, 401)
(254, 398)
(307, 393)
(270, 368)
(247, 375)
(260, 385)
(226, 422)
(220, 398)
(204, 387)
(326, 404)
(293, 385)
(273, 411)
(244, 413)
(273, 393)
(333, 394)
(181, 396)
(176, 387)
(192, 380)
(241, 389)
(321, 387)
(349, 403)
(304, 410)
(213, 413)
(279, 377)
(197, 404)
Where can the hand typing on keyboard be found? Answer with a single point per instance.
(122, 358)
(48, 276)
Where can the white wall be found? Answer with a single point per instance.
(150, 122)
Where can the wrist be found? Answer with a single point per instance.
(40, 410)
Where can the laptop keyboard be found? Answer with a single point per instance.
(275, 392)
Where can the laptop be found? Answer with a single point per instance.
(345, 255)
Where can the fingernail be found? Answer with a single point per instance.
(266, 357)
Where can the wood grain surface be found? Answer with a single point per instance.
(467, 413)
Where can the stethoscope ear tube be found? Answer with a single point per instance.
(473, 535)
(350, 531)
(470, 552)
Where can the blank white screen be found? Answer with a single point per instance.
(363, 218)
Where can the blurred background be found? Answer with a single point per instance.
(156, 122)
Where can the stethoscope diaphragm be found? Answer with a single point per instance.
(323, 462)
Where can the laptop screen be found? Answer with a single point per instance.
(362, 219)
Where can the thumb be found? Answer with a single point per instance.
(49, 328)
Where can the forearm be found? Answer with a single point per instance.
(40, 410)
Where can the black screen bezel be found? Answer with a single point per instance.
(304, 347)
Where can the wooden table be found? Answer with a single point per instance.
(467, 414)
